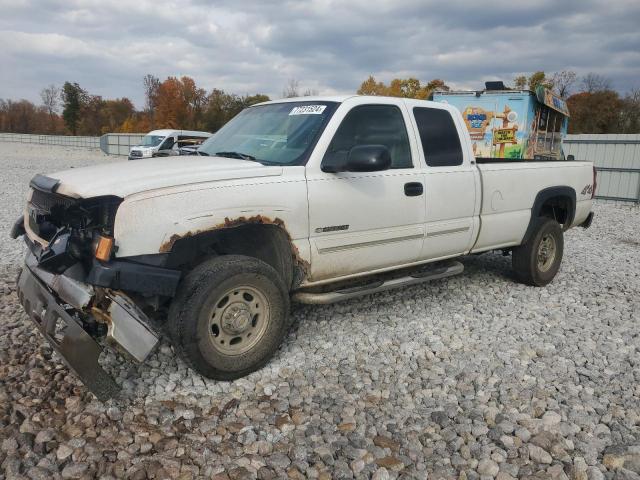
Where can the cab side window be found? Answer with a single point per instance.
(371, 125)
(439, 137)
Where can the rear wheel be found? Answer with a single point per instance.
(229, 316)
(537, 261)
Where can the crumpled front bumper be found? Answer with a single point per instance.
(65, 334)
(53, 302)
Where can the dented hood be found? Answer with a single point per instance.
(126, 178)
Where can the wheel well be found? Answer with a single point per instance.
(558, 203)
(267, 242)
(559, 208)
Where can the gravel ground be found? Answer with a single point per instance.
(472, 377)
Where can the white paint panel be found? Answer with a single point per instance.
(184, 209)
(502, 230)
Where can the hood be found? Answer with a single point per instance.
(126, 178)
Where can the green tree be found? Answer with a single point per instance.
(73, 98)
(539, 78)
(249, 100)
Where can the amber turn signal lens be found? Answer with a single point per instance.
(103, 248)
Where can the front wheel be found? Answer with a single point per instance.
(229, 316)
(537, 261)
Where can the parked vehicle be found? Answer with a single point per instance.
(508, 123)
(315, 199)
(165, 143)
(190, 147)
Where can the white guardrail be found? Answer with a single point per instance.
(109, 143)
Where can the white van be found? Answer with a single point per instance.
(163, 143)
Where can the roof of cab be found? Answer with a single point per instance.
(334, 98)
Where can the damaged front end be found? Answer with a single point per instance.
(74, 289)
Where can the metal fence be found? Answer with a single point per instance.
(617, 160)
(119, 143)
(109, 143)
(64, 140)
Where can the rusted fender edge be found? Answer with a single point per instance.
(167, 246)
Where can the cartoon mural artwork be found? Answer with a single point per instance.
(514, 124)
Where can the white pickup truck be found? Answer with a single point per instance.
(315, 200)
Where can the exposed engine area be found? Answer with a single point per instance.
(68, 230)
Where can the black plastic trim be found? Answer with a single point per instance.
(542, 197)
(44, 183)
(587, 222)
(134, 277)
(18, 228)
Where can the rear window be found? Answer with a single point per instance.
(439, 137)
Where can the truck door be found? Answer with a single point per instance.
(169, 147)
(362, 221)
(451, 189)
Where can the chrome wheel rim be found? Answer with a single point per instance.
(546, 252)
(238, 320)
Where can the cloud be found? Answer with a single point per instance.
(256, 46)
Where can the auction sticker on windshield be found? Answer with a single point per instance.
(308, 110)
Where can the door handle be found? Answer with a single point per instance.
(413, 189)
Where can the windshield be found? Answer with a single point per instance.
(273, 134)
(151, 140)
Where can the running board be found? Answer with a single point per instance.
(453, 268)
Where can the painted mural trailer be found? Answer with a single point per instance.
(512, 124)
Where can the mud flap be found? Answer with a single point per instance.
(67, 337)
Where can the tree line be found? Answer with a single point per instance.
(171, 103)
(179, 103)
(595, 107)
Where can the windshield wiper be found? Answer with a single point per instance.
(204, 154)
(241, 156)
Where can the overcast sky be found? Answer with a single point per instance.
(252, 46)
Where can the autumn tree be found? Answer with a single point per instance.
(563, 82)
(151, 87)
(73, 97)
(249, 100)
(291, 89)
(520, 82)
(592, 82)
(402, 87)
(171, 108)
(630, 113)
(195, 99)
(115, 113)
(50, 97)
(91, 115)
(22, 116)
(594, 112)
(371, 87)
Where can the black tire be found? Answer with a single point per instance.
(527, 265)
(193, 329)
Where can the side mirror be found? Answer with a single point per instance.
(368, 158)
(570, 158)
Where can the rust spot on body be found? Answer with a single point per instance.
(167, 246)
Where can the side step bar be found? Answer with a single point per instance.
(449, 270)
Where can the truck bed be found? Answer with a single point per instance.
(509, 191)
